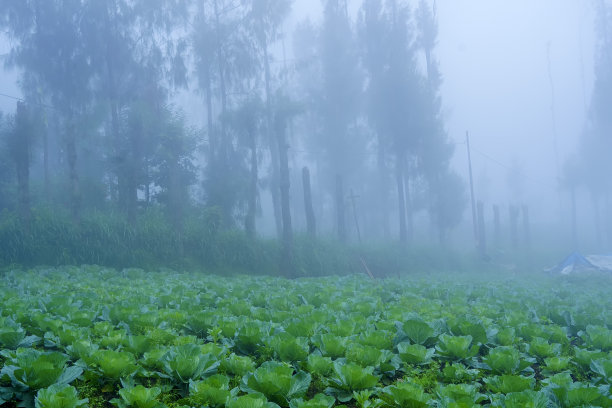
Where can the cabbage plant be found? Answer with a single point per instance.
(350, 377)
(277, 382)
(138, 396)
(186, 362)
(59, 396)
(455, 347)
(404, 395)
(213, 391)
(30, 370)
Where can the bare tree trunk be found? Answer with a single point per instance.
(147, 186)
(252, 204)
(212, 138)
(514, 215)
(287, 261)
(340, 213)
(46, 162)
(21, 141)
(310, 216)
(497, 226)
(132, 167)
(574, 218)
(47, 188)
(597, 219)
(482, 237)
(409, 212)
(526, 227)
(274, 149)
(384, 191)
(118, 148)
(399, 166)
(221, 59)
(71, 150)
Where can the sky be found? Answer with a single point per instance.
(496, 85)
(493, 56)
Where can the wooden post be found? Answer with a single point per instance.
(340, 209)
(526, 226)
(482, 241)
(497, 226)
(310, 217)
(514, 215)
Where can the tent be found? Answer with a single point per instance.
(576, 263)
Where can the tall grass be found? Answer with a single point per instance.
(105, 238)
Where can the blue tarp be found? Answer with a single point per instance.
(577, 262)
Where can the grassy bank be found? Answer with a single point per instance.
(103, 238)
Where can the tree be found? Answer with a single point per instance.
(227, 69)
(50, 48)
(596, 140)
(172, 165)
(265, 17)
(337, 102)
(247, 121)
(447, 198)
(395, 90)
(137, 57)
(284, 110)
(20, 135)
(6, 170)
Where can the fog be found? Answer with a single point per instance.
(517, 76)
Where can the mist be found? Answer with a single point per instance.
(519, 78)
(305, 203)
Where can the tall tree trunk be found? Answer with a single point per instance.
(222, 85)
(71, 151)
(399, 175)
(45, 136)
(383, 190)
(514, 216)
(287, 261)
(132, 167)
(252, 203)
(274, 149)
(482, 237)
(526, 227)
(310, 216)
(409, 209)
(212, 138)
(123, 168)
(340, 207)
(497, 226)
(47, 181)
(574, 219)
(21, 140)
(147, 184)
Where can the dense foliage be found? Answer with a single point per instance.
(50, 238)
(73, 336)
(101, 127)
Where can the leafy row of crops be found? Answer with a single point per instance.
(90, 336)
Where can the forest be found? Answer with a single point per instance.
(176, 131)
(345, 140)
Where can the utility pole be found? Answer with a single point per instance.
(552, 110)
(469, 153)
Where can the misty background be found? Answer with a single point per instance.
(518, 76)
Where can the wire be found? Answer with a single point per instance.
(16, 98)
(505, 166)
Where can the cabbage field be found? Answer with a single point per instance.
(90, 336)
